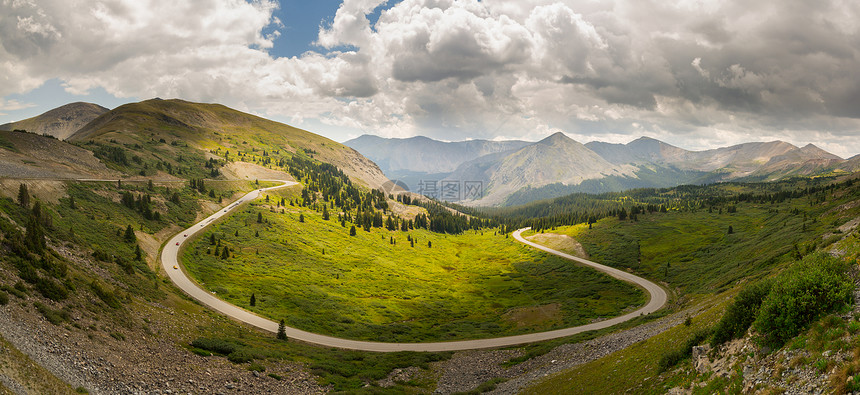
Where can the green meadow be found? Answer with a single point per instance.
(694, 251)
(378, 286)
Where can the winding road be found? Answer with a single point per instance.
(170, 259)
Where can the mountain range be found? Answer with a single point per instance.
(507, 172)
(558, 165)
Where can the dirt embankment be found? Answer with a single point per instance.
(563, 243)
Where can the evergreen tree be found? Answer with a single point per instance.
(72, 203)
(138, 254)
(259, 218)
(212, 239)
(731, 230)
(352, 231)
(282, 331)
(23, 196)
(301, 218)
(429, 244)
(35, 236)
(129, 235)
(253, 300)
(225, 253)
(325, 213)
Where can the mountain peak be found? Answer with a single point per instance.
(556, 138)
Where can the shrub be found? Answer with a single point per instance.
(51, 289)
(741, 313)
(106, 296)
(808, 289)
(219, 346)
(55, 317)
(4, 298)
(240, 356)
(201, 352)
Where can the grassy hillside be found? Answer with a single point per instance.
(377, 285)
(180, 132)
(87, 292)
(772, 236)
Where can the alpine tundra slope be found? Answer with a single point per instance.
(171, 265)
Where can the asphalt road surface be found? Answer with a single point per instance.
(169, 259)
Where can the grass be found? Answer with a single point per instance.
(692, 250)
(474, 285)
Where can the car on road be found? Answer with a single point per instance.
(185, 235)
(177, 243)
(175, 267)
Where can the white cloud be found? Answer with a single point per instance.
(681, 71)
(13, 105)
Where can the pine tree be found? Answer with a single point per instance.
(301, 218)
(352, 231)
(253, 300)
(138, 255)
(429, 244)
(72, 203)
(225, 253)
(35, 236)
(259, 218)
(129, 235)
(23, 196)
(282, 331)
(731, 230)
(212, 239)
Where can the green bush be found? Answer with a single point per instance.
(219, 346)
(55, 317)
(106, 296)
(4, 298)
(240, 356)
(741, 313)
(51, 289)
(806, 290)
(14, 291)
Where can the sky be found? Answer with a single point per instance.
(695, 74)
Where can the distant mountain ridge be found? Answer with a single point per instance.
(558, 165)
(60, 122)
(555, 159)
(423, 154)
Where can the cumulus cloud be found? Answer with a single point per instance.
(686, 72)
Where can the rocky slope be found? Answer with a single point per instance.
(27, 155)
(60, 122)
